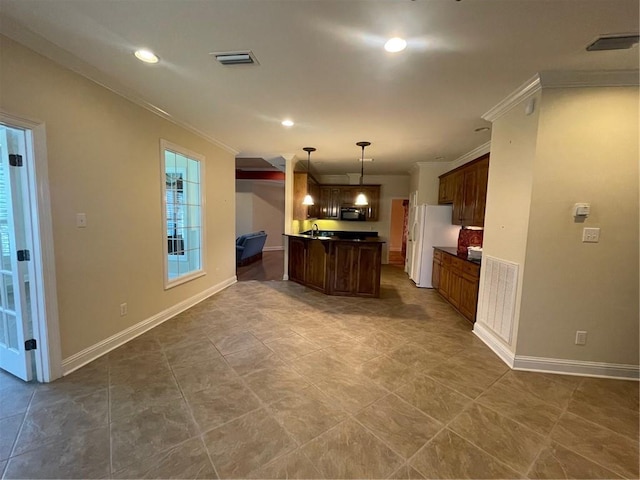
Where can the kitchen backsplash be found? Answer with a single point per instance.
(469, 238)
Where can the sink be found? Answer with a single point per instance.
(319, 234)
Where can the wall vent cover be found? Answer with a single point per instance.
(613, 42)
(242, 57)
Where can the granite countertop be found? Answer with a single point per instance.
(335, 237)
(454, 251)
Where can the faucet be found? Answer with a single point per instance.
(315, 230)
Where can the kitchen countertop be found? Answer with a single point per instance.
(336, 238)
(454, 251)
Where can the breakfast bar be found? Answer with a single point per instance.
(337, 263)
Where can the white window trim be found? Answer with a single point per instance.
(167, 145)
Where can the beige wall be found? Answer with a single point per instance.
(513, 148)
(104, 160)
(587, 151)
(244, 207)
(268, 211)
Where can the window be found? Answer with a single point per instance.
(183, 213)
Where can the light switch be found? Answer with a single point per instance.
(590, 235)
(81, 220)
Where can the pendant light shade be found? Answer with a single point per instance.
(308, 199)
(361, 199)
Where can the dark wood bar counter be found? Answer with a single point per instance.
(336, 265)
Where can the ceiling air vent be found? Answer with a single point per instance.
(613, 42)
(245, 57)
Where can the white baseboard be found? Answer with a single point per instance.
(577, 367)
(555, 365)
(272, 249)
(89, 354)
(499, 348)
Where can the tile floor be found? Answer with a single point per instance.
(272, 380)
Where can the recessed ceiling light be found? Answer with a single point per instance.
(146, 56)
(481, 129)
(395, 44)
(287, 123)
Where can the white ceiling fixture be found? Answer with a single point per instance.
(287, 123)
(395, 44)
(146, 56)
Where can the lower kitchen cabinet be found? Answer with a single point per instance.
(336, 267)
(457, 280)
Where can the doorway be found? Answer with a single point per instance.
(28, 307)
(398, 231)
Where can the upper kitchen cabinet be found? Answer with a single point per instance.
(333, 197)
(466, 188)
(373, 196)
(330, 198)
(304, 183)
(447, 189)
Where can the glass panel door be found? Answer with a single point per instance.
(15, 324)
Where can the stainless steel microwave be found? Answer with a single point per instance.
(352, 214)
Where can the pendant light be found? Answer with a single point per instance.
(361, 199)
(308, 199)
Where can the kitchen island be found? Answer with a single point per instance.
(337, 263)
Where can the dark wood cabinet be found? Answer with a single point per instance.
(333, 197)
(437, 265)
(348, 196)
(481, 192)
(355, 269)
(316, 265)
(336, 267)
(373, 196)
(457, 280)
(314, 190)
(297, 260)
(469, 284)
(466, 188)
(304, 183)
(446, 190)
(330, 198)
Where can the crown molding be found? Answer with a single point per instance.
(472, 155)
(36, 43)
(525, 90)
(564, 79)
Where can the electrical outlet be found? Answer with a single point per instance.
(581, 337)
(123, 309)
(590, 235)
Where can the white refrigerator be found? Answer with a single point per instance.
(430, 227)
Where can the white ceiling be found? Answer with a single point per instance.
(322, 65)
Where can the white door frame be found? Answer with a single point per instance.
(48, 354)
